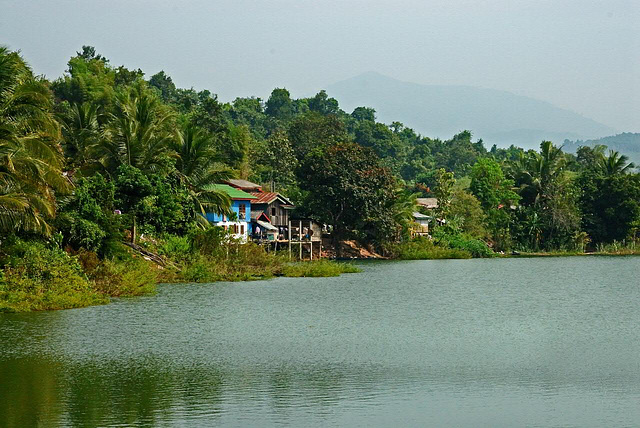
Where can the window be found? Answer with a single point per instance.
(273, 211)
(242, 229)
(242, 211)
(235, 229)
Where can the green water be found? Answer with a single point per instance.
(510, 342)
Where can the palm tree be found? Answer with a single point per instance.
(82, 134)
(139, 132)
(197, 167)
(615, 164)
(533, 172)
(30, 154)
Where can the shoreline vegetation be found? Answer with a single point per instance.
(110, 182)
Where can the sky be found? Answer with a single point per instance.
(581, 55)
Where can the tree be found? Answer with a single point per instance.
(30, 154)
(131, 187)
(197, 166)
(444, 191)
(139, 132)
(324, 105)
(279, 160)
(350, 190)
(490, 186)
(280, 105)
(610, 205)
(615, 164)
(467, 208)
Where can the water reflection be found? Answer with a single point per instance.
(449, 343)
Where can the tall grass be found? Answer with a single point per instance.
(320, 268)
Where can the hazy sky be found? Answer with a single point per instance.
(582, 55)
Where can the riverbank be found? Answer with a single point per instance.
(37, 277)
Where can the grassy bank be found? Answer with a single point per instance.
(320, 268)
(37, 276)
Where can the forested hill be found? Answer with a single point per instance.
(498, 117)
(627, 143)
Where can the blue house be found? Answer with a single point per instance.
(241, 207)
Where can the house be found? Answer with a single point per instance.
(421, 224)
(270, 211)
(240, 226)
(273, 208)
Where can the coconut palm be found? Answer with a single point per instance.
(30, 154)
(533, 172)
(615, 164)
(82, 134)
(197, 167)
(139, 132)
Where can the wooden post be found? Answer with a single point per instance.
(311, 248)
(300, 238)
(289, 239)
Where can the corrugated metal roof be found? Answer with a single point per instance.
(243, 184)
(266, 225)
(428, 202)
(231, 191)
(264, 197)
(269, 197)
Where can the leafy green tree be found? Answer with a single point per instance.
(86, 219)
(444, 192)
(278, 160)
(280, 105)
(131, 188)
(313, 130)
(323, 104)
(30, 155)
(82, 134)
(490, 186)
(610, 205)
(350, 190)
(467, 208)
(364, 114)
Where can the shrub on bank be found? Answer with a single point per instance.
(423, 248)
(36, 277)
(320, 268)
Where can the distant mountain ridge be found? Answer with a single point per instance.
(498, 117)
(627, 143)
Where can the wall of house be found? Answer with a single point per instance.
(281, 217)
(242, 208)
(236, 207)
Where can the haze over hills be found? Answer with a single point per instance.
(498, 117)
(627, 143)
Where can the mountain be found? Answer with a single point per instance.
(441, 111)
(627, 143)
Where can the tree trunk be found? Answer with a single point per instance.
(133, 230)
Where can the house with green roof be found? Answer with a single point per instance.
(240, 205)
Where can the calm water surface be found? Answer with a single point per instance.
(513, 342)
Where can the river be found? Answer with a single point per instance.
(505, 342)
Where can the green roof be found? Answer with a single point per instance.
(231, 191)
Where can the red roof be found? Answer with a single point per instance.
(264, 197)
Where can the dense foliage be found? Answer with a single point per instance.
(103, 154)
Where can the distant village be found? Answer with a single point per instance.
(267, 218)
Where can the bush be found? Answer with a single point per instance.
(320, 268)
(422, 248)
(118, 278)
(177, 248)
(36, 277)
(476, 247)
